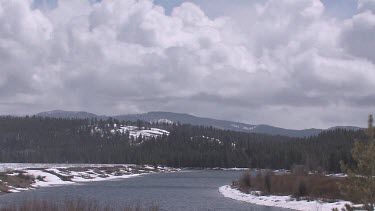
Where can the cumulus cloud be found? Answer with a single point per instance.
(359, 32)
(280, 62)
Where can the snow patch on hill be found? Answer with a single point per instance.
(135, 131)
(165, 121)
(249, 128)
(209, 139)
(243, 127)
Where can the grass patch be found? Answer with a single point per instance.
(73, 205)
(3, 187)
(17, 180)
(78, 169)
(62, 177)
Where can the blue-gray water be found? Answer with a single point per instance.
(189, 190)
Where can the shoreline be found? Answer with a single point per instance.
(34, 176)
(280, 201)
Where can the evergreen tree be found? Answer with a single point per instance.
(36, 139)
(361, 176)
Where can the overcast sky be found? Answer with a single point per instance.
(287, 63)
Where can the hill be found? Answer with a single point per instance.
(170, 117)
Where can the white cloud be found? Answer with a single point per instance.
(282, 62)
(358, 34)
(364, 5)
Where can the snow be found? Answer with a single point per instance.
(210, 139)
(56, 174)
(337, 175)
(49, 179)
(249, 128)
(166, 121)
(19, 166)
(136, 131)
(87, 176)
(243, 127)
(280, 201)
(234, 169)
(97, 177)
(235, 126)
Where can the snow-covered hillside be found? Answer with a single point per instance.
(165, 121)
(136, 134)
(135, 131)
(243, 127)
(209, 139)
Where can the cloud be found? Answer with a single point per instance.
(359, 32)
(280, 62)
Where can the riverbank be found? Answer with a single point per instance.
(184, 190)
(280, 201)
(21, 177)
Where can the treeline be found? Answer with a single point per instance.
(37, 139)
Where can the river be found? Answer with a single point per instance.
(185, 190)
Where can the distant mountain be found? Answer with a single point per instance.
(169, 117)
(221, 124)
(345, 128)
(67, 114)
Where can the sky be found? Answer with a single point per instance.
(287, 63)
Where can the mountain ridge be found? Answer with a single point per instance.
(169, 117)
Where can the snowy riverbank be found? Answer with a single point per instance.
(280, 201)
(21, 177)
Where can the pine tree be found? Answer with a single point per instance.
(361, 176)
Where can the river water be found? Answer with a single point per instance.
(186, 190)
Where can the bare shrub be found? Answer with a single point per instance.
(27, 177)
(301, 189)
(20, 180)
(3, 188)
(244, 183)
(308, 186)
(268, 182)
(40, 178)
(62, 177)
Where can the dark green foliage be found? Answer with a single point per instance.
(49, 140)
(361, 188)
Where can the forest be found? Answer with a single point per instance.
(51, 140)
